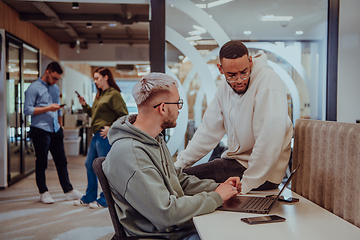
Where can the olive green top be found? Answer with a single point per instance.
(107, 109)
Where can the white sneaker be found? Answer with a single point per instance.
(73, 195)
(46, 198)
(95, 205)
(79, 202)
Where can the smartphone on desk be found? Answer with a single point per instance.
(263, 219)
(288, 199)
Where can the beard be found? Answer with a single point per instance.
(169, 122)
(240, 92)
(48, 80)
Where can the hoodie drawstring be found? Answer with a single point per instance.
(165, 163)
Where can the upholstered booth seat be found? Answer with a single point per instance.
(329, 154)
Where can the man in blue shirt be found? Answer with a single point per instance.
(42, 100)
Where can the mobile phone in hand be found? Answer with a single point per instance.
(77, 94)
(263, 219)
(62, 105)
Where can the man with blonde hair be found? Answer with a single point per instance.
(153, 197)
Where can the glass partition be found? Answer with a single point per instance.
(31, 74)
(293, 34)
(22, 70)
(14, 110)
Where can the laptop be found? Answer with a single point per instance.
(249, 204)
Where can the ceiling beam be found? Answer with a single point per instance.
(69, 18)
(45, 9)
(95, 1)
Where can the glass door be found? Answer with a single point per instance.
(22, 69)
(30, 74)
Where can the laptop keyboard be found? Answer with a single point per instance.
(257, 203)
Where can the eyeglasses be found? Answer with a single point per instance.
(242, 77)
(180, 104)
(54, 78)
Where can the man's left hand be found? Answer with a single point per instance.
(235, 182)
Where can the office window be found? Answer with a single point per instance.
(293, 34)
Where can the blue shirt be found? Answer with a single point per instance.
(40, 94)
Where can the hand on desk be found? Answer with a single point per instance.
(229, 188)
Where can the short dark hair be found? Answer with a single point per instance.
(54, 67)
(233, 49)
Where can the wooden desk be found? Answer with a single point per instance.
(304, 220)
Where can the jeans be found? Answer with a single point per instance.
(43, 143)
(99, 147)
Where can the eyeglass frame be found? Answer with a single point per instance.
(237, 78)
(241, 77)
(180, 103)
(54, 78)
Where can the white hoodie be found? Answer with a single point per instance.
(257, 124)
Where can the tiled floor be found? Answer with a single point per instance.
(23, 216)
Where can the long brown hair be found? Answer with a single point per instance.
(106, 72)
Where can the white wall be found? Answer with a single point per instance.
(348, 102)
(73, 80)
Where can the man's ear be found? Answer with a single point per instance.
(250, 61)
(220, 68)
(161, 109)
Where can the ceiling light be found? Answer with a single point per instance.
(192, 33)
(201, 5)
(299, 32)
(88, 25)
(194, 38)
(247, 32)
(217, 3)
(200, 29)
(185, 60)
(29, 71)
(75, 5)
(77, 46)
(276, 18)
(207, 42)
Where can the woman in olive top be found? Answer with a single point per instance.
(108, 106)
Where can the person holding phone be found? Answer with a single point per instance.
(108, 106)
(42, 99)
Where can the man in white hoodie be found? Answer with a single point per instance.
(251, 108)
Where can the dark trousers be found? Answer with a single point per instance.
(221, 169)
(43, 143)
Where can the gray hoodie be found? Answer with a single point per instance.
(151, 196)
